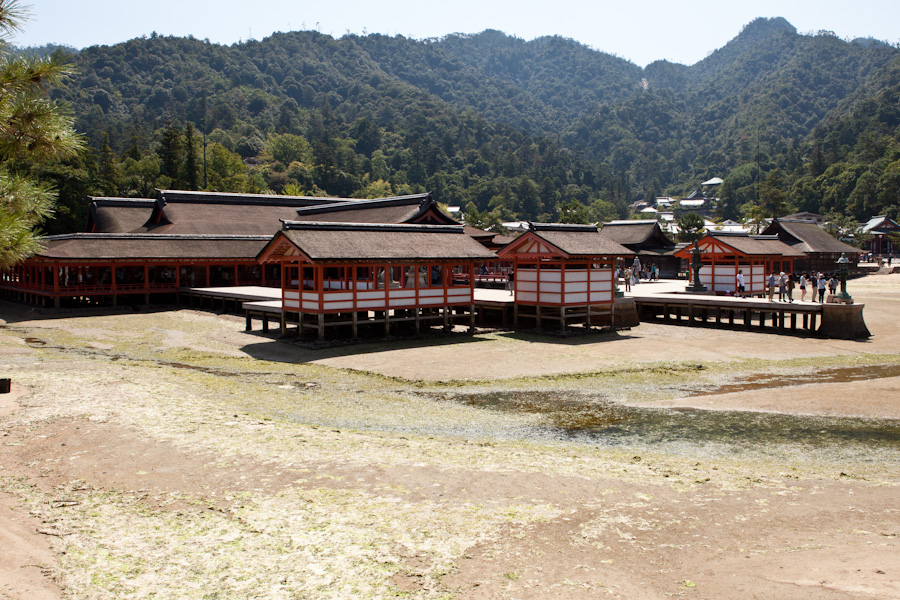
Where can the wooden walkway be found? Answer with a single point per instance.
(721, 311)
(654, 302)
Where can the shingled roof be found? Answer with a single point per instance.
(108, 246)
(368, 242)
(118, 215)
(807, 237)
(193, 213)
(755, 245)
(416, 208)
(571, 240)
(635, 234)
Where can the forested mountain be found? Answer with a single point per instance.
(547, 129)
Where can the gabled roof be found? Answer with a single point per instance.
(416, 208)
(637, 234)
(807, 237)
(804, 216)
(185, 212)
(118, 215)
(695, 195)
(368, 242)
(192, 197)
(105, 246)
(881, 224)
(568, 241)
(742, 244)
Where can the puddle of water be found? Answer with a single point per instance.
(836, 375)
(592, 419)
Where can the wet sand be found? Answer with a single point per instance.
(171, 454)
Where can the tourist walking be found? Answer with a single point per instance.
(803, 282)
(770, 284)
(832, 284)
(739, 281)
(627, 279)
(782, 285)
(820, 287)
(789, 287)
(511, 281)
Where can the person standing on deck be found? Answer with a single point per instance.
(739, 281)
(820, 286)
(782, 286)
(803, 282)
(770, 284)
(510, 281)
(789, 287)
(636, 269)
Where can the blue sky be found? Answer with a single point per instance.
(642, 32)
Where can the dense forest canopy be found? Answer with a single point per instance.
(548, 129)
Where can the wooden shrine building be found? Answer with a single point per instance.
(648, 241)
(96, 269)
(563, 273)
(820, 251)
(882, 233)
(345, 277)
(139, 249)
(723, 254)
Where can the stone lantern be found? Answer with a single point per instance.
(843, 270)
(696, 263)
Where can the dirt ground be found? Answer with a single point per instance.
(171, 454)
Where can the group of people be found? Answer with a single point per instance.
(818, 283)
(633, 275)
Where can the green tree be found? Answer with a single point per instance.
(33, 130)
(171, 155)
(690, 227)
(773, 195)
(227, 172)
(107, 169)
(190, 158)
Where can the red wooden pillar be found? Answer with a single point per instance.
(235, 274)
(318, 285)
(207, 275)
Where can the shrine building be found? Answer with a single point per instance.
(723, 254)
(355, 276)
(563, 273)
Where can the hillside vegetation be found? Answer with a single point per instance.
(548, 129)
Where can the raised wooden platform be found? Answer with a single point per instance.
(829, 319)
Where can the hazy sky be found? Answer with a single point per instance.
(642, 32)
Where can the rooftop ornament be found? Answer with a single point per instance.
(843, 270)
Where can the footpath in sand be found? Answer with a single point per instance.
(170, 454)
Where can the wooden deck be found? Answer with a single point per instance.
(658, 302)
(746, 313)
